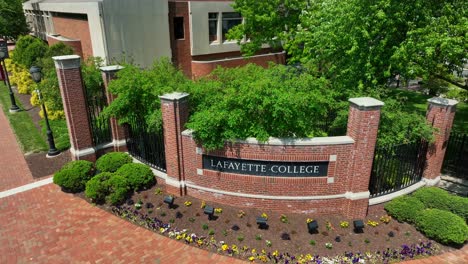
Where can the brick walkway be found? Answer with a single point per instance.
(14, 170)
(45, 225)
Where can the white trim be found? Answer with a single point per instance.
(442, 101)
(237, 58)
(200, 172)
(391, 196)
(316, 141)
(366, 102)
(353, 196)
(67, 62)
(431, 182)
(119, 143)
(330, 180)
(357, 196)
(112, 68)
(199, 150)
(175, 183)
(175, 96)
(332, 158)
(26, 187)
(82, 152)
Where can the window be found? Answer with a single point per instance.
(213, 26)
(179, 28)
(230, 20)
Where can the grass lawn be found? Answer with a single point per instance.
(60, 132)
(28, 137)
(418, 102)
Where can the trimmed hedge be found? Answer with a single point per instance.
(404, 208)
(433, 197)
(73, 176)
(118, 189)
(111, 162)
(98, 187)
(442, 226)
(138, 175)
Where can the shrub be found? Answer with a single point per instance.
(98, 187)
(28, 51)
(442, 226)
(433, 197)
(138, 175)
(404, 208)
(74, 175)
(111, 162)
(118, 189)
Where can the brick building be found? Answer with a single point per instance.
(191, 33)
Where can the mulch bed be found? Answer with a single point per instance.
(39, 165)
(291, 237)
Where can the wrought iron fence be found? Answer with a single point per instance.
(326, 124)
(148, 147)
(456, 156)
(100, 127)
(397, 167)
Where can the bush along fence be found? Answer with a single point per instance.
(316, 175)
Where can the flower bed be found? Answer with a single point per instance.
(133, 214)
(234, 232)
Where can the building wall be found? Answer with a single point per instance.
(77, 29)
(137, 31)
(202, 68)
(91, 9)
(181, 53)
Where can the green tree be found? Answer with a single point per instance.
(138, 90)
(29, 51)
(361, 43)
(12, 20)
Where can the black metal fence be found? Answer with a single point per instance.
(148, 147)
(397, 167)
(100, 127)
(456, 156)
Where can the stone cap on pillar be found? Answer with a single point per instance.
(442, 101)
(176, 96)
(111, 68)
(366, 103)
(67, 62)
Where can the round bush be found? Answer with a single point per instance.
(98, 187)
(138, 175)
(118, 189)
(404, 208)
(459, 206)
(73, 176)
(111, 162)
(442, 226)
(433, 197)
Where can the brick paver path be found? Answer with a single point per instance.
(45, 225)
(14, 170)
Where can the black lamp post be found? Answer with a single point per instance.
(37, 76)
(4, 55)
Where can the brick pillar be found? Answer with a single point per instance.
(118, 131)
(174, 109)
(75, 106)
(440, 113)
(363, 124)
